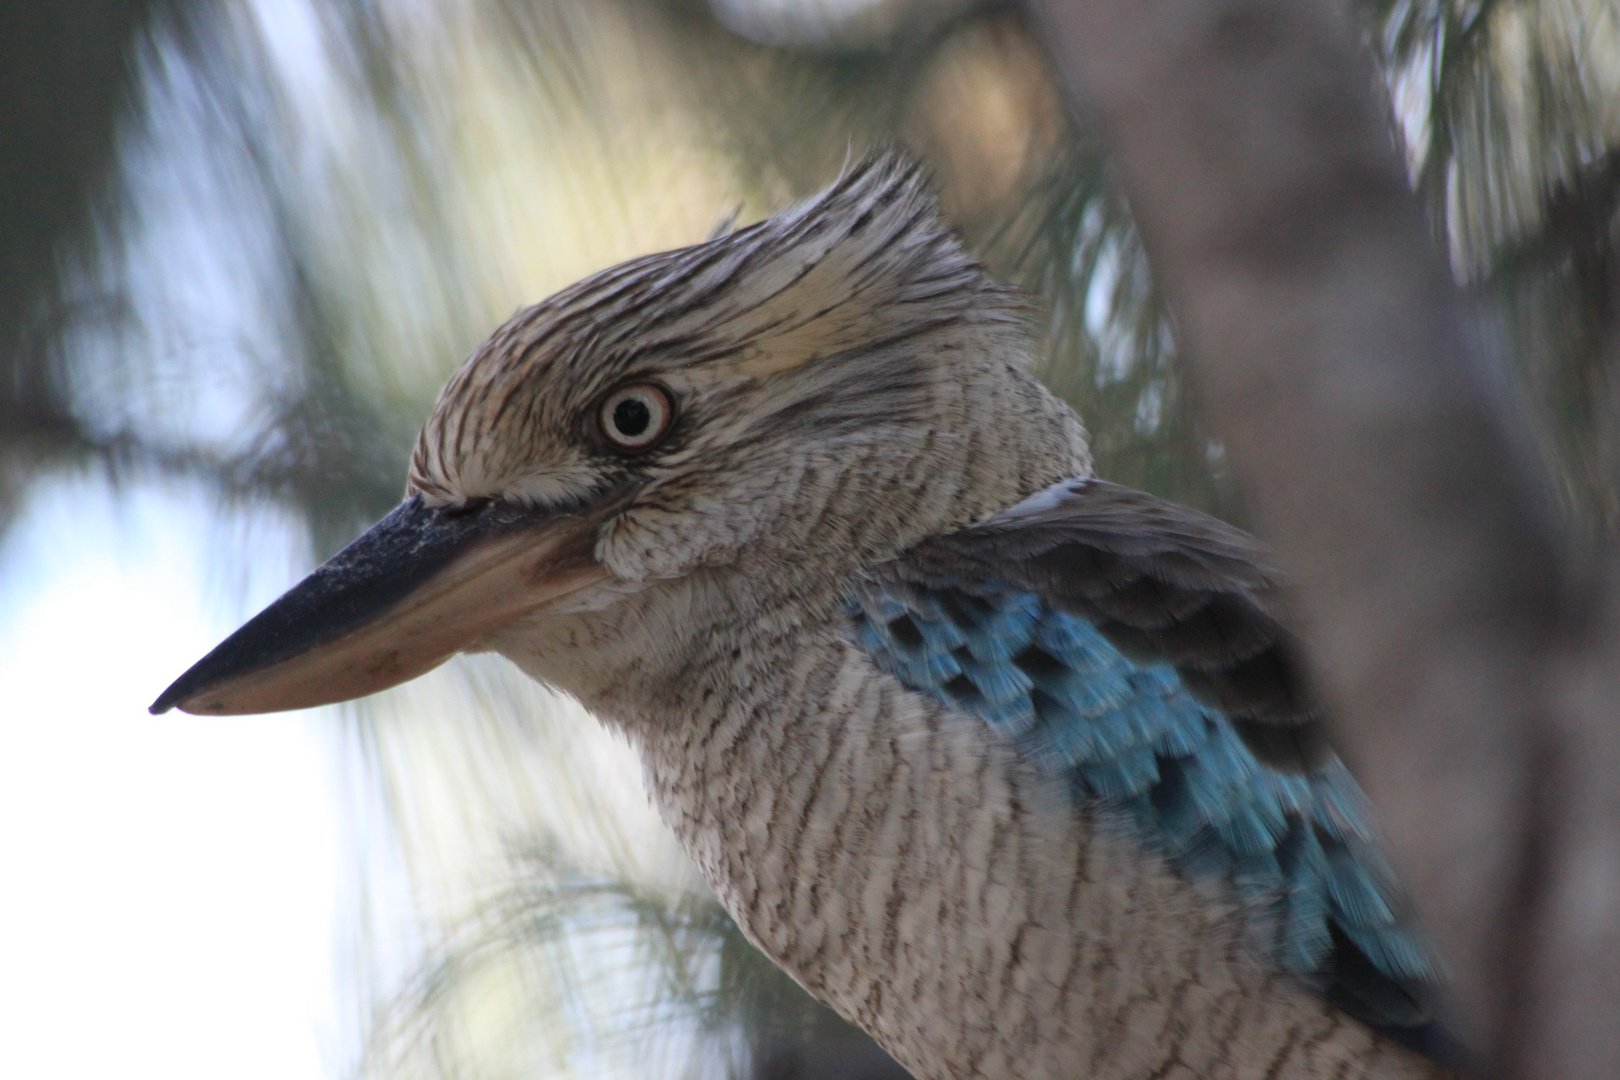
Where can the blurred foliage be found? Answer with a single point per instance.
(554, 942)
(319, 208)
(1510, 112)
(64, 75)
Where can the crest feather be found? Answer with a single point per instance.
(863, 265)
(866, 262)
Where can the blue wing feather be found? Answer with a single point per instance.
(1131, 735)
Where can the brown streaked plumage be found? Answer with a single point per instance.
(848, 393)
(842, 276)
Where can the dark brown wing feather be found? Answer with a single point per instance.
(1160, 581)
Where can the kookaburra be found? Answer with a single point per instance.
(1012, 767)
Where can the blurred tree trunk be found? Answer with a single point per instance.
(1469, 653)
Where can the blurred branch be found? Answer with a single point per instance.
(64, 78)
(1455, 632)
(64, 75)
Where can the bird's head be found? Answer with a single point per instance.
(783, 404)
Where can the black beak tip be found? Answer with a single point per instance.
(171, 697)
(355, 587)
(212, 671)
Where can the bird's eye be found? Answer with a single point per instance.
(633, 417)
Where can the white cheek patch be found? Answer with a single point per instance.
(596, 598)
(651, 545)
(646, 545)
(551, 487)
(544, 484)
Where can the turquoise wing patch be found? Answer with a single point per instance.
(1134, 738)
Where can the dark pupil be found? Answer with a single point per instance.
(631, 417)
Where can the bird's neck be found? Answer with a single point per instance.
(830, 808)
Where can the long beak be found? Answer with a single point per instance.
(413, 590)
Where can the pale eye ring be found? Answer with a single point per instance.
(634, 417)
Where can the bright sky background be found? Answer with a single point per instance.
(171, 883)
